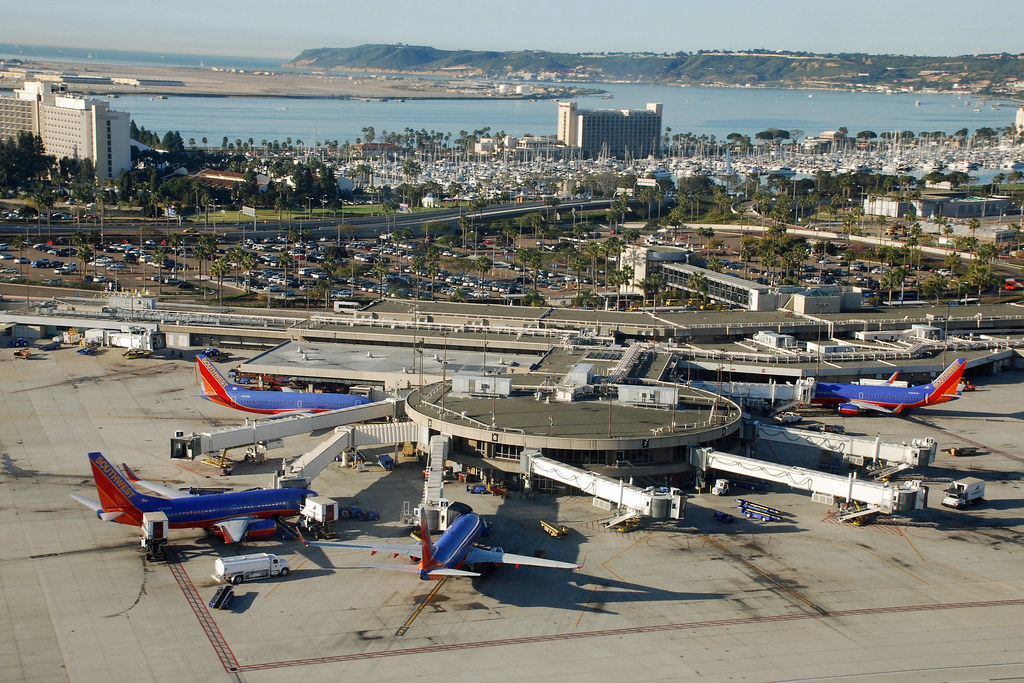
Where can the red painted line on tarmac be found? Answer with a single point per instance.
(714, 623)
(195, 601)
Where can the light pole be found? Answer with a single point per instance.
(945, 336)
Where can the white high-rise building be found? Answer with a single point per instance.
(1019, 122)
(70, 126)
(611, 132)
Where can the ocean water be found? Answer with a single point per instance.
(697, 110)
(701, 111)
(104, 56)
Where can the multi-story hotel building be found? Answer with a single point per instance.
(611, 132)
(69, 126)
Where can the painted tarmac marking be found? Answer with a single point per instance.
(961, 437)
(618, 632)
(820, 610)
(195, 601)
(430, 596)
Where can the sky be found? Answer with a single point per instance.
(276, 29)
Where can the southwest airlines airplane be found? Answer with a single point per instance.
(248, 514)
(886, 398)
(217, 389)
(453, 549)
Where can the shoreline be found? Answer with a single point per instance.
(99, 80)
(191, 81)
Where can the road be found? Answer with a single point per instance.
(367, 226)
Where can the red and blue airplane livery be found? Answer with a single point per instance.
(453, 550)
(217, 389)
(234, 515)
(886, 398)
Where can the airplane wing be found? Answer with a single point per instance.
(480, 555)
(97, 507)
(233, 529)
(160, 489)
(414, 569)
(864, 405)
(412, 550)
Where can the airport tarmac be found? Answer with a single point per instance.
(935, 595)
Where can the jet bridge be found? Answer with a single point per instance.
(761, 394)
(271, 429)
(825, 488)
(857, 450)
(305, 468)
(629, 499)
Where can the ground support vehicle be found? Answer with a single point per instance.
(249, 567)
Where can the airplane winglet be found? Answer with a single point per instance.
(132, 477)
(302, 539)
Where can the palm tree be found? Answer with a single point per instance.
(322, 289)
(980, 275)
(248, 264)
(892, 279)
(433, 270)
(380, 271)
(285, 259)
(651, 286)
(219, 269)
(699, 284)
(84, 254)
(19, 242)
(483, 266)
(935, 286)
(160, 255)
(618, 279)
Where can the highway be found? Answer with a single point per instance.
(366, 226)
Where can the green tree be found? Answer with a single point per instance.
(483, 266)
(652, 286)
(893, 279)
(699, 284)
(380, 272)
(160, 255)
(980, 275)
(935, 286)
(219, 270)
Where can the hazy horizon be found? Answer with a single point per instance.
(270, 30)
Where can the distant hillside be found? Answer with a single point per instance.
(1002, 73)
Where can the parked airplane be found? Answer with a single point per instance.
(233, 515)
(453, 549)
(217, 389)
(887, 398)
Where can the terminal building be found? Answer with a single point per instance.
(70, 126)
(611, 132)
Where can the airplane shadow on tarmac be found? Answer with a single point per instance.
(530, 587)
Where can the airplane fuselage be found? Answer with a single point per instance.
(451, 547)
(276, 402)
(218, 390)
(886, 396)
(204, 512)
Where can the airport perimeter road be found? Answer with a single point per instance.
(937, 595)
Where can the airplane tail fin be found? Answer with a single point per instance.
(427, 561)
(116, 493)
(213, 383)
(893, 378)
(946, 386)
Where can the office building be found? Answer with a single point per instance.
(611, 132)
(69, 126)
